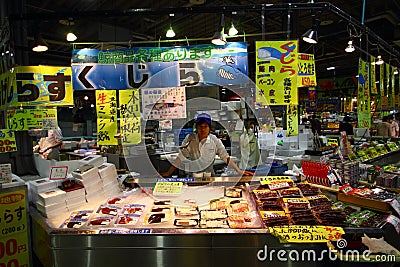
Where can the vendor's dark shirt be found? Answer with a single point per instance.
(346, 127)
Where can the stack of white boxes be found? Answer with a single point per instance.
(89, 177)
(75, 197)
(40, 186)
(52, 203)
(93, 160)
(109, 177)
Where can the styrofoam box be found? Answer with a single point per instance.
(53, 208)
(94, 160)
(42, 185)
(80, 192)
(76, 201)
(92, 172)
(53, 196)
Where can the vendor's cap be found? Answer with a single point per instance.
(203, 117)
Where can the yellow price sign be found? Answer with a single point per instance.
(307, 233)
(273, 179)
(333, 142)
(168, 188)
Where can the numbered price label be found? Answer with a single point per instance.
(307, 233)
(168, 188)
(14, 251)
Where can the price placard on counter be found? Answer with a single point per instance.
(58, 172)
(306, 233)
(5, 173)
(276, 182)
(168, 188)
(14, 229)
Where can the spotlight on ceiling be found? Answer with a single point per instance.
(379, 60)
(232, 30)
(219, 36)
(71, 37)
(350, 48)
(170, 33)
(311, 35)
(40, 45)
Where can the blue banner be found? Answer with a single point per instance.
(156, 67)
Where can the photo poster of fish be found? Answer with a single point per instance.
(164, 103)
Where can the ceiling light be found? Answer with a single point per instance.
(350, 48)
(232, 30)
(379, 60)
(71, 37)
(396, 71)
(330, 68)
(170, 33)
(40, 45)
(310, 36)
(219, 37)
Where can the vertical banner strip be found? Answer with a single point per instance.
(364, 107)
(372, 76)
(389, 91)
(276, 72)
(292, 120)
(106, 109)
(382, 87)
(130, 124)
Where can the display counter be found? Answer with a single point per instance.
(165, 244)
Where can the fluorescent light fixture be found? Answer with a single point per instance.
(379, 60)
(350, 48)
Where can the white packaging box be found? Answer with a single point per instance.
(72, 202)
(94, 160)
(42, 185)
(77, 206)
(88, 173)
(106, 168)
(52, 210)
(96, 197)
(80, 192)
(113, 187)
(53, 196)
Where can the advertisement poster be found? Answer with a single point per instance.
(130, 125)
(7, 141)
(382, 87)
(306, 71)
(372, 76)
(164, 103)
(107, 121)
(156, 67)
(276, 72)
(364, 103)
(26, 119)
(14, 229)
(36, 86)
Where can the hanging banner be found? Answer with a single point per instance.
(164, 103)
(372, 76)
(312, 96)
(156, 67)
(364, 115)
(26, 119)
(130, 125)
(306, 71)
(292, 120)
(389, 87)
(106, 108)
(376, 81)
(382, 87)
(36, 86)
(276, 72)
(7, 141)
(392, 84)
(14, 229)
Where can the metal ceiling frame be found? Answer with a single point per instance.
(208, 9)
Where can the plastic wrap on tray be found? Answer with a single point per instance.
(101, 220)
(290, 192)
(157, 218)
(266, 194)
(116, 200)
(241, 221)
(72, 223)
(213, 214)
(81, 214)
(308, 190)
(186, 211)
(162, 202)
(219, 204)
(127, 219)
(238, 206)
(274, 218)
(186, 222)
(134, 209)
(234, 192)
(214, 224)
(109, 210)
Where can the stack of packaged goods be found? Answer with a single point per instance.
(52, 203)
(109, 178)
(75, 194)
(89, 177)
(40, 186)
(93, 160)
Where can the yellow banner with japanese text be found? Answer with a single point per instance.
(14, 229)
(306, 71)
(307, 233)
(36, 86)
(389, 87)
(276, 72)
(26, 119)
(130, 126)
(107, 121)
(364, 103)
(7, 141)
(292, 120)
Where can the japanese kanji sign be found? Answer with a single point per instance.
(306, 71)
(25, 119)
(276, 72)
(372, 76)
(382, 87)
(389, 87)
(5, 173)
(292, 120)
(7, 141)
(107, 124)
(307, 233)
(364, 103)
(36, 86)
(130, 125)
(14, 229)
